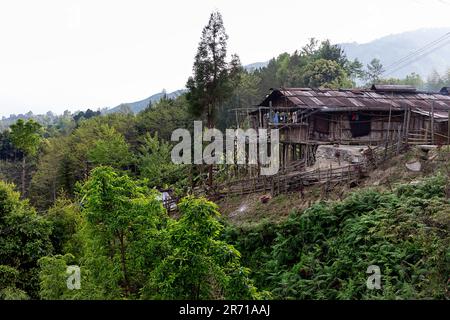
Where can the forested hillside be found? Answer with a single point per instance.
(85, 190)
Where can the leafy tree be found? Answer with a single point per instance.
(268, 77)
(283, 64)
(65, 217)
(8, 279)
(65, 124)
(53, 277)
(325, 73)
(436, 81)
(50, 177)
(374, 71)
(122, 123)
(199, 266)
(331, 52)
(24, 238)
(246, 94)
(85, 115)
(355, 69)
(65, 160)
(26, 136)
(110, 150)
(164, 117)
(121, 232)
(155, 163)
(8, 151)
(89, 145)
(324, 64)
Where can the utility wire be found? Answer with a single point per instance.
(425, 47)
(416, 58)
(419, 54)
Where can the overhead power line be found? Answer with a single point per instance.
(418, 51)
(414, 59)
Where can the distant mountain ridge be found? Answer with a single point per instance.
(393, 47)
(257, 65)
(140, 105)
(388, 49)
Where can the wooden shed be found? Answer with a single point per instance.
(309, 117)
(351, 116)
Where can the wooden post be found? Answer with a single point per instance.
(448, 128)
(306, 154)
(270, 113)
(318, 169)
(408, 121)
(349, 174)
(404, 123)
(260, 118)
(388, 131)
(432, 123)
(272, 187)
(278, 187)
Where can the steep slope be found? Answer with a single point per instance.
(398, 223)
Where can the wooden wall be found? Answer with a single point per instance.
(382, 127)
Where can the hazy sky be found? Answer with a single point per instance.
(74, 54)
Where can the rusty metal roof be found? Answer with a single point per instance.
(377, 99)
(393, 88)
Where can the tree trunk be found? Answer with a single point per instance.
(124, 266)
(210, 175)
(210, 169)
(54, 190)
(24, 172)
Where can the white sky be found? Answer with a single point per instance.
(74, 54)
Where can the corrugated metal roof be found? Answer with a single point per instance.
(393, 88)
(375, 100)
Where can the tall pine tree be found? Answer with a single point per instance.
(211, 83)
